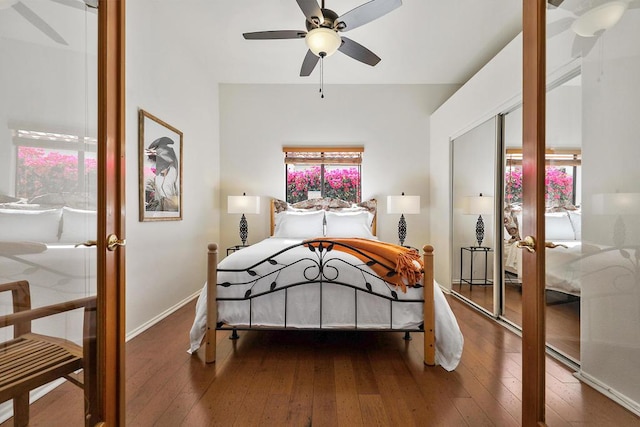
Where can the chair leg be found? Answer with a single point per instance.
(21, 410)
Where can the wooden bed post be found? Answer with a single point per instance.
(212, 306)
(429, 309)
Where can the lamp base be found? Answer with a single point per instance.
(244, 230)
(402, 230)
(480, 230)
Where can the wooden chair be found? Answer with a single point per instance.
(30, 360)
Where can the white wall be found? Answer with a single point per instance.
(391, 122)
(166, 260)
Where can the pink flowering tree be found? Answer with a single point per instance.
(341, 183)
(558, 186)
(41, 171)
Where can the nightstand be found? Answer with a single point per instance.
(472, 250)
(236, 248)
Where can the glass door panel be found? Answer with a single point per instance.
(601, 267)
(473, 206)
(563, 201)
(48, 187)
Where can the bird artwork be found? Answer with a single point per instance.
(162, 192)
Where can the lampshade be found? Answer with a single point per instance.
(599, 18)
(243, 204)
(403, 204)
(616, 204)
(479, 205)
(323, 41)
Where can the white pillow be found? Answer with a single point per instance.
(558, 226)
(349, 224)
(302, 225)
(78, 225)
(18, 225)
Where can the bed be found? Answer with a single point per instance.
(317, 272)
(563, 228)
(38, 244)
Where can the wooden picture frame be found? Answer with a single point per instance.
(160, 169)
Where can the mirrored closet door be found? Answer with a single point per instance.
(473, 220)
(563, 202)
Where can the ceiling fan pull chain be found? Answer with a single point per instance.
(322, 76)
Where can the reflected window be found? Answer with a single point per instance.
(562, 174)
(53, 163)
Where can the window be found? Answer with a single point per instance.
(313, 172)
(562, 174)
(53, 163)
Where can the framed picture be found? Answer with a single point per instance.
(160, 164)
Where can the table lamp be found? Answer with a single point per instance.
(403, 205)
(479, 205)
(243, 205)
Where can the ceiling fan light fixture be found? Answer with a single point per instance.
(599, 18)
(323, 41)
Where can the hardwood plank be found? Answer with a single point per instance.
(325, 410)
(471, 412)
(301, 400)
(347, 402)
(372, 409)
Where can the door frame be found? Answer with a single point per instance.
(111, 213)
(533, 263)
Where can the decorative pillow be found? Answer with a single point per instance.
(511, 223)
(30, 225)
(78, 225)
(325, 204)
(299, 224)
(349, 224)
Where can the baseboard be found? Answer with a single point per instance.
(140, 329)
(612, 394)
(6, 409)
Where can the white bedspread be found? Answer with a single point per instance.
(338, 302)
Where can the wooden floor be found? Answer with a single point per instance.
(562, 314)
(333, 379)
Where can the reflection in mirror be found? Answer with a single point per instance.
(473, 206)
(48, 181)
(563, 216)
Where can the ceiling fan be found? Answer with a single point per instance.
(323, 31)
(591, 20)
(27, 13)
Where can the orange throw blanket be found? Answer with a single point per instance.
(406, 263)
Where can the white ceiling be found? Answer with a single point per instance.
(421, 42)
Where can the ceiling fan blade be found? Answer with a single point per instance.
(559, 26)
(583, 45)
(366, 13)
(309, 63)
(554, 3)
(312, 11)
(275, 35)
(358, 52)
(78, 4)
(39, 23)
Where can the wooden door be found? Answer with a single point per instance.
(533, 301)
(111, 212)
